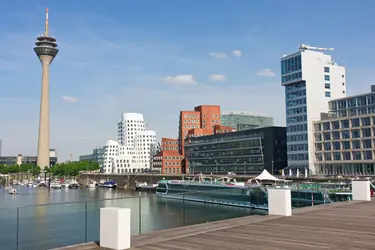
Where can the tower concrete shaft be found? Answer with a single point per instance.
(46, 50)
(44, 117)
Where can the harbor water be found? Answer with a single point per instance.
(39, 218)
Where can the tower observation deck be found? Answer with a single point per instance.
(46, 45)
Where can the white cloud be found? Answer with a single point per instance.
(70, 99)
(218, 78)
(266, 72)
(237, 53)
(218, 55)
(180, 79)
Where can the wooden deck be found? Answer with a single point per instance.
(349, 225)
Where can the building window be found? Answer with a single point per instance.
(326, 69)
(327, 78)
(328, 94)
(327, 86)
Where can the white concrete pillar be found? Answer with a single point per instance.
(361, 190)
(115, 230)
(279, 202)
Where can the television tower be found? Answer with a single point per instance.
(46, 50)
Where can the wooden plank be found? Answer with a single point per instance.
(347, 225)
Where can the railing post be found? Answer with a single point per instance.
(140, 215)
(183, 210)
(18, 225)
(86, 221)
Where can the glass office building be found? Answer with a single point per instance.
(96, 156)
(244, 121)
(345, 138)
(242, 152)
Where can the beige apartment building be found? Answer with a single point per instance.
(344, 139)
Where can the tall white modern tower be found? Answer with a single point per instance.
(311, 79)
(46, 50)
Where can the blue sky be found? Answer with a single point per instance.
(160, 57)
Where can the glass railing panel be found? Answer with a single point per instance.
(8, 228)
(51, 226)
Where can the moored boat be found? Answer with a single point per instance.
(91, 184)
(222, 191)
(110, 184)
(55, 185)
(144, 186)
(12, 191)
(73, 184)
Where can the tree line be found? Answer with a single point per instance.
(59, 169)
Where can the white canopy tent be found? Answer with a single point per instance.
(266, 176)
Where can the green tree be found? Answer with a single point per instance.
(73, 168)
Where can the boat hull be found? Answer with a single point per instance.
(213, 201)
(145, 188)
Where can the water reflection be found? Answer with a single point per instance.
(54, 225)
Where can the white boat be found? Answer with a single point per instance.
(144, 186)
(91, 184)
(65, 184)
(73, 184)
(55, 185)
(12, 191)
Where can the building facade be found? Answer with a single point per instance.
(133, 150)
(242, 152)
(21, 159)
(243, 121)
(168, 160)
(311, 80)
(96, 156)
(345, 137)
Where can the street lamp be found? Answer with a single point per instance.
(272, 167)
(217, 168)
(244, 167)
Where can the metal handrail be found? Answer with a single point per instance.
(71, 202)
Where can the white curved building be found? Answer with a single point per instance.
(134, 146)
(110, 151)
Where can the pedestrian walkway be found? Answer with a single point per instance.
(347, 225)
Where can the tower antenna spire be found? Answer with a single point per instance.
(46, 28)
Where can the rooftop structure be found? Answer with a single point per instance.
(245, 120)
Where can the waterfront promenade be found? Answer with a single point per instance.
(346, 225)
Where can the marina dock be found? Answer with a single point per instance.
(346, 225)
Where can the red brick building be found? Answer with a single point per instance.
(204, 120)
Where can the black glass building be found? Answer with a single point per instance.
(244, 152)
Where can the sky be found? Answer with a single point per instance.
(160, 57)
